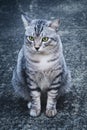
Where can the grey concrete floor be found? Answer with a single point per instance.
(72, 108)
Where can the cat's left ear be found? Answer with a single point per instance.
(54, 24)
(26, 20)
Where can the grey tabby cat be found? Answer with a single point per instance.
(41, 66)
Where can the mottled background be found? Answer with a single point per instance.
(72, 108)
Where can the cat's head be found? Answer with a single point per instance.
(40, 35)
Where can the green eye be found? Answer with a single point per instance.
(45, 39)
(31, 38)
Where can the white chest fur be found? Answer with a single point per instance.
(43, 62)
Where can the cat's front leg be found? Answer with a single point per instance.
(35, 104)
(53, 94)
(51, 103)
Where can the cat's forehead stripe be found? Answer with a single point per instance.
(39, 26)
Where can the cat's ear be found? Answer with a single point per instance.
(26, 20)
(54, 24)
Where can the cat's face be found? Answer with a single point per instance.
(40, 35)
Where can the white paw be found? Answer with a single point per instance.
(29, 105)
(34, 112)
(51, 112)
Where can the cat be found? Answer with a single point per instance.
(41, 66)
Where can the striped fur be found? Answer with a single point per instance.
(40, 71)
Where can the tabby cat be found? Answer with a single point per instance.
(41, 66)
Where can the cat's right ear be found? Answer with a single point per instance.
(54, 24)
(26, 20)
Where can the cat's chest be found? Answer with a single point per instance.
(43, 62)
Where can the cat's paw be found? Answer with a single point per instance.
(51, 112)
(34, 112)
(29, 105)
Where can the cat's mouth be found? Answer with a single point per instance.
(39, 51)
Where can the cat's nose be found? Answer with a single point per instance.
(37, 48)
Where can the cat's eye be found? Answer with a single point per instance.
(45, 39)
(30, 38)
